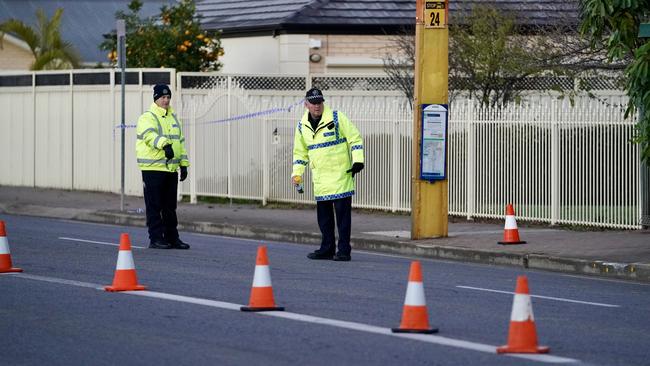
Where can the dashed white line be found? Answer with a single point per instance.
(542, 297)
(434, 339)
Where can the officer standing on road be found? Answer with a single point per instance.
(160, 151)
(333, 148)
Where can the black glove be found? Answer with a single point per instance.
(356, 168)
(183, 173)
(169, 152)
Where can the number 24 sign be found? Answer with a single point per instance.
(435, 14)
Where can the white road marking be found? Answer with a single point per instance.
(97, 242)
(60, 281)
(542, 297)
(434, 339)
(187, 299)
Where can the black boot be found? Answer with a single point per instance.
(178, 244)
(340, 257)
(159, 244)
(320, 255)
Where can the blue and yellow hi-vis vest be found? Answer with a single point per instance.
(330, 151)
(156, 128)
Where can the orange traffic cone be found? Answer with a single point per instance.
(5, 254)
(522, 336)
(125, 278)
(510, 232)
(414, 316)
(262, 291)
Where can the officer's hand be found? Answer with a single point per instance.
(183, 173)
(356, 168)
(169, 152)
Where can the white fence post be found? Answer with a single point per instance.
(193, 138)
(34, 128)
(470, 173)
(395, 171)
(555, 164)
(265, 161)
(229, 114)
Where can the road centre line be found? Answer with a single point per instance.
(96, 242)
(542, 297)
(58, 280)
(434, 339)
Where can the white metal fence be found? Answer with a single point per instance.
(555, 162)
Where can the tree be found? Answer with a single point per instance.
(615, 23)
(400, 65)
(49, 50)
(171, 39)
(493, 59)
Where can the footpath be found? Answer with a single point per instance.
(622, 254)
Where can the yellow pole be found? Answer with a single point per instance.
(429, 206)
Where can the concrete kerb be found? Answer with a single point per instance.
(627, 271)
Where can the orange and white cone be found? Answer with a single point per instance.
(262, 291)
(125, 277)
(510, 232)
(5, 255)
(522, 336)
(414, 317)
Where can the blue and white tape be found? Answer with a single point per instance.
(237, 118)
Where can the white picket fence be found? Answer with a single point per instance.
(556, 162)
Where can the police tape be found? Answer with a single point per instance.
(234, 118)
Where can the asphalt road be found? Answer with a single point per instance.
(336, 313)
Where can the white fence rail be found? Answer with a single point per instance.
(555, 162)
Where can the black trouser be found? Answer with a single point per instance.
(160, 192)
(325, 213)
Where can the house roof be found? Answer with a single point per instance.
(16, 42)
(240, 17)
(83, 22)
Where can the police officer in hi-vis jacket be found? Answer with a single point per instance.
(160, 152)
(331, 145)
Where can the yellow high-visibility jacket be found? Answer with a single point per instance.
(156, 128)
(330, 151)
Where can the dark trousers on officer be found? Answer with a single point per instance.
(160, 192)
(325, 212)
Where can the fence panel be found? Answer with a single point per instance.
(53, 158)
(556, 162)
(17, 139)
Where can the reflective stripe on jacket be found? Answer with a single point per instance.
(156, 128)
(330, 151)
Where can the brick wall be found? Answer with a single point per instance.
(353, 46)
